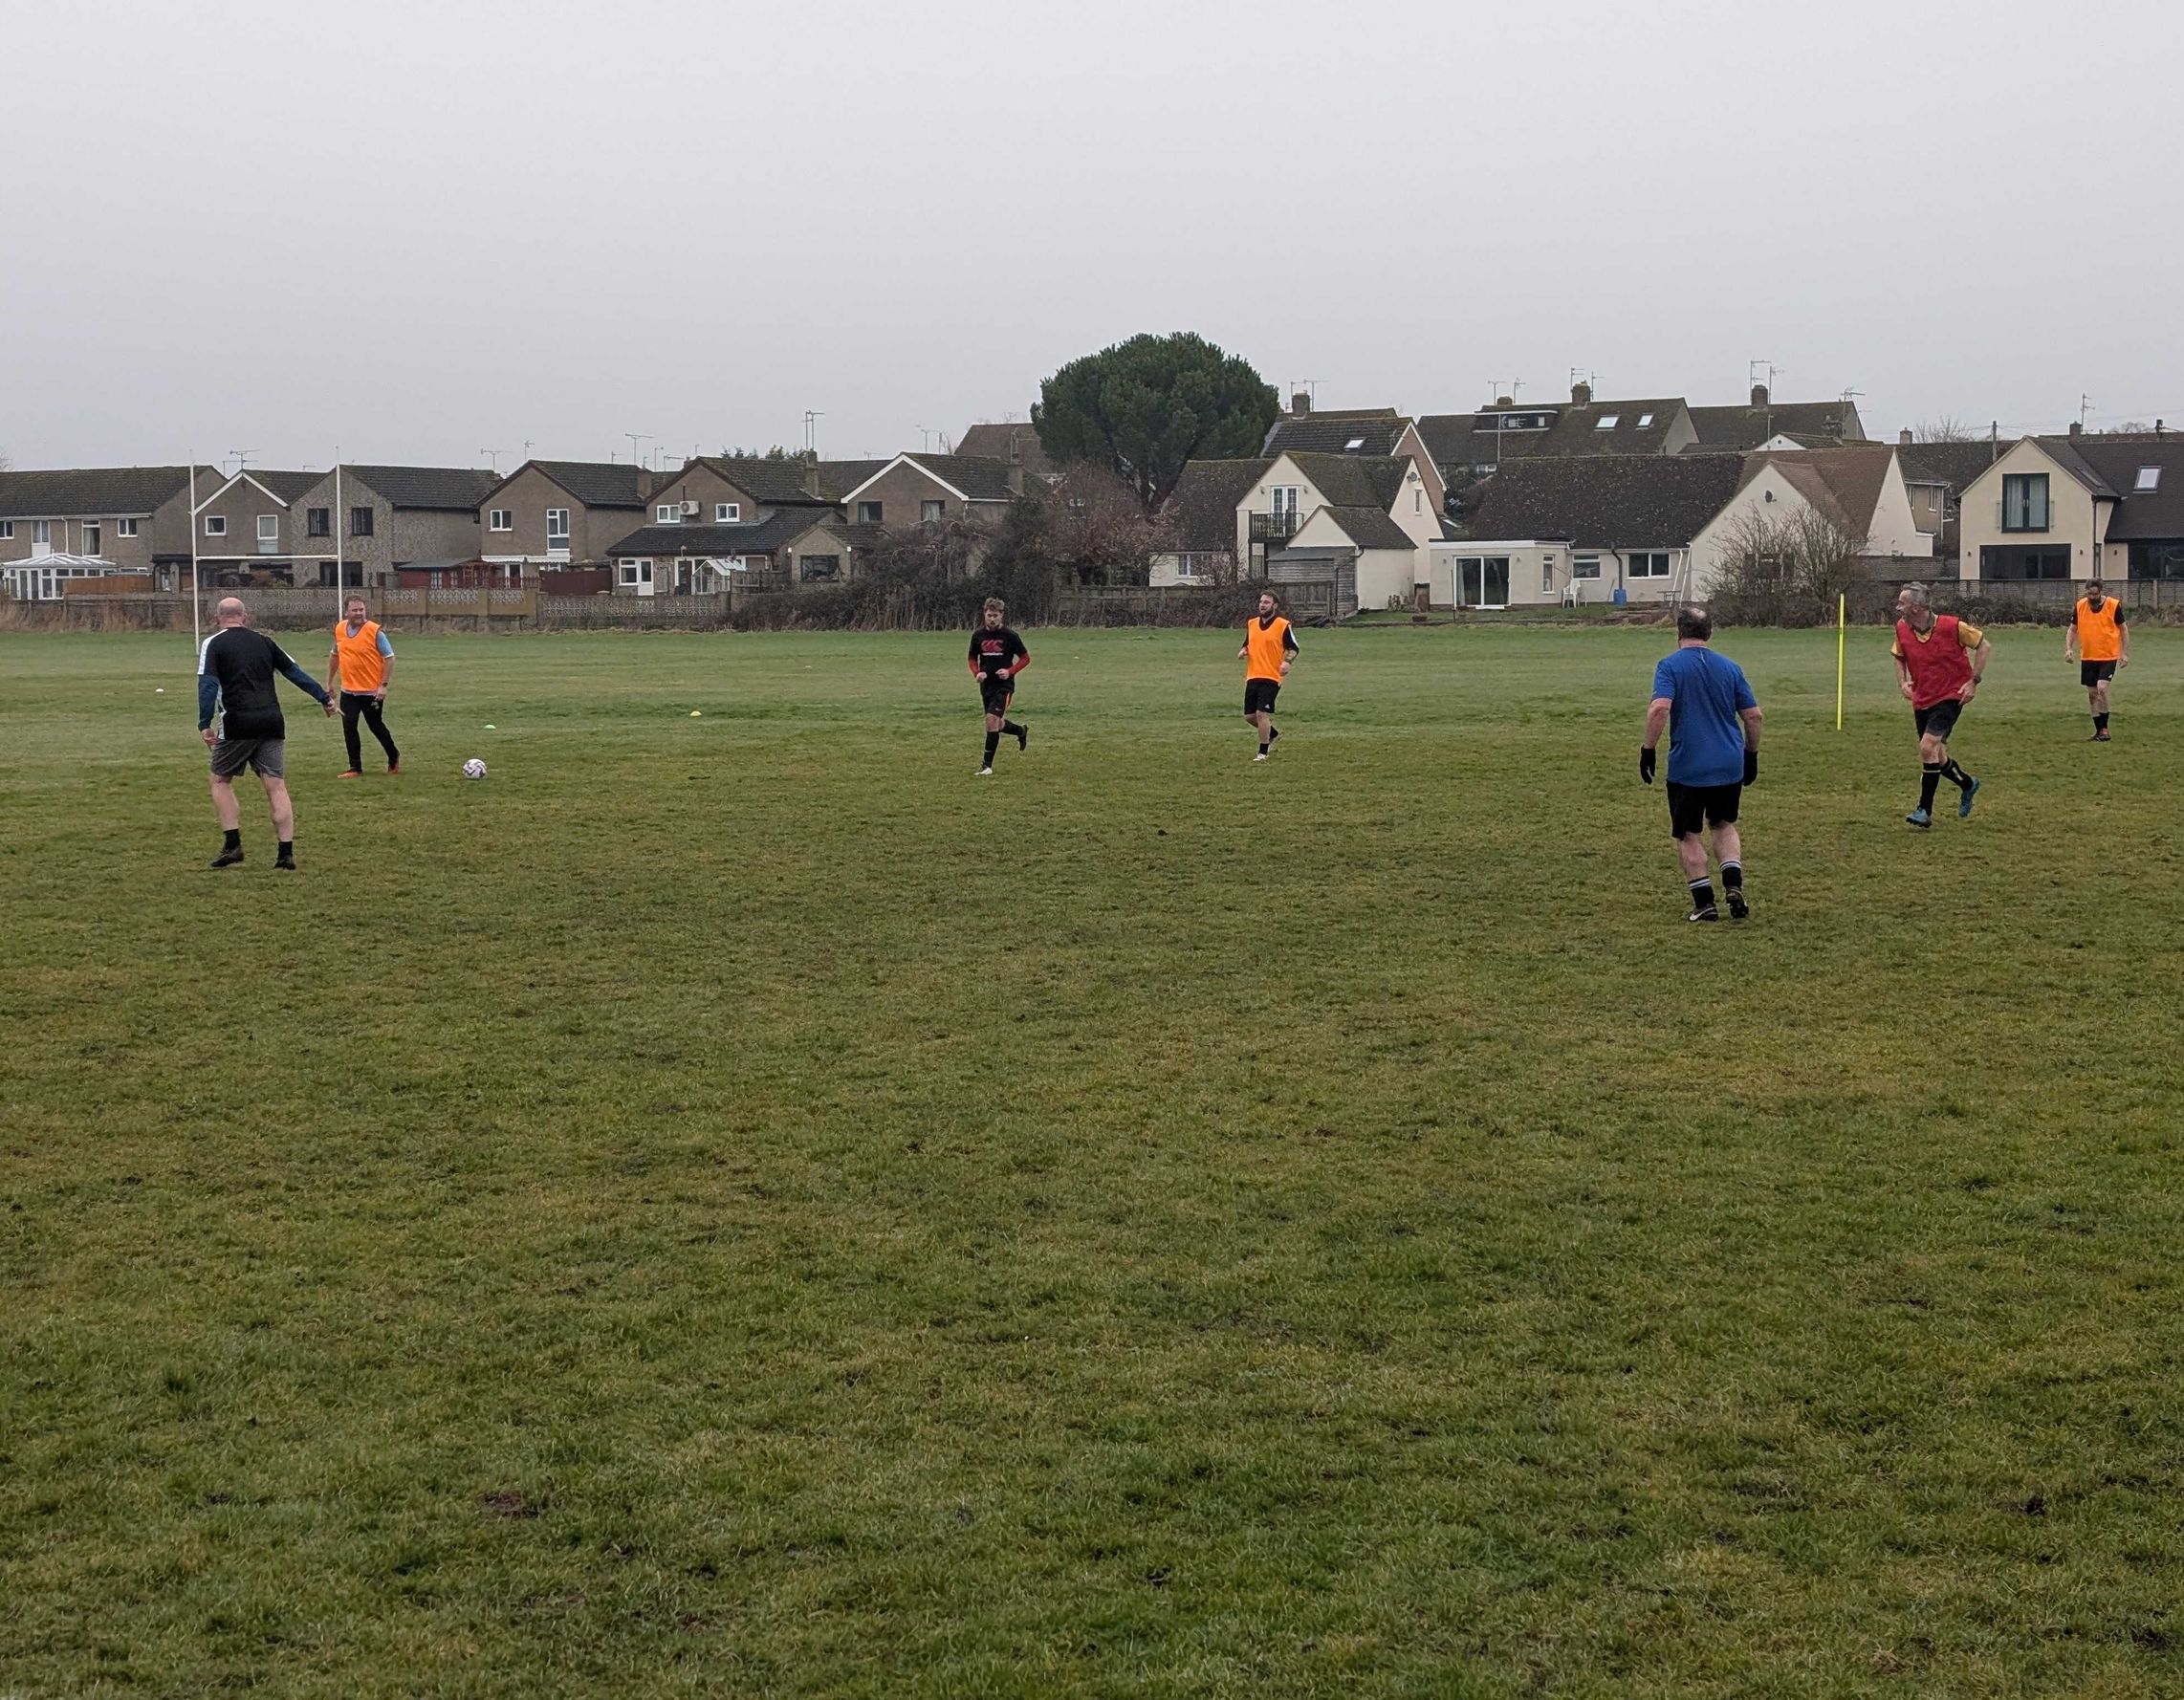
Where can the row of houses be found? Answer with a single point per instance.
(688, 530)
(1646, 500)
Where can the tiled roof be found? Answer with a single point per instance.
(1355, 480)
(1370, 528)
(838, 478)
(1575, 428)
(2140, 516)
(1953, 463)
(439, 490)
(1374, 431)
(1017, 443)
(1747, 428)
(1202, 508)
(287, 485)
(717, 540)
(978, 478)
(768, 479)
(1608, 501)
(613, 484)
(97, 491)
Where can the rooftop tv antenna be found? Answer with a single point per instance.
(635, 438)
(1753, 369)
(241, 457)
(2085, 408)
(811, 417)
(493, 458)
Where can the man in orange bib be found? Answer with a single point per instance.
(1939, 659)
(361, 667)
(2098, 635)
(1269, 643)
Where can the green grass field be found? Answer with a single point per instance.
(735, 1205)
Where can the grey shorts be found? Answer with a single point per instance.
(263, 757)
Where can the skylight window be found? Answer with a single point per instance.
(2149, 478)
(1606, 421)
(1353, 445)
(1645, 420)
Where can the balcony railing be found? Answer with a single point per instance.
(1274, 528)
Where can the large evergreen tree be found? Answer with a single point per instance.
(1147, 406)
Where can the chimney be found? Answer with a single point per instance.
(1300, 404)
(1904, 436)
(812, 482)
(2160, 429)
(1581, 395)
(1505, 401)
(1016, 481)
(2077, 428)
(1759, 395)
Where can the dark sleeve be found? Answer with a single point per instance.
(2121, 617)
(1289, 640)
(296, 675)
(208, 698)
(974, 648)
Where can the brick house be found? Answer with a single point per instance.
(389, 517)
(932, 489)
(96, 520)
(248, 528)
(557, 513)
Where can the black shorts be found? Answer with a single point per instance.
(996, 693)
(1260, 695)
(1693, 807)
(2091, 672)
(1941, 720)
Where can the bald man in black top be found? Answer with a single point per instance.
(235, 674)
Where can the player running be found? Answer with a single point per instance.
(359, 670)
(1270, 645)
(997, 655)
(236, 675)
(2097, 633)
(1939, 659)
(1700, 698)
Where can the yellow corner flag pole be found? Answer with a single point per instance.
(1842, 625)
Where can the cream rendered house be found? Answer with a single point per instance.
(1860, 488)
(1296, 486)
(2076, 508)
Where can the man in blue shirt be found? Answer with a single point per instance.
(1704, 703)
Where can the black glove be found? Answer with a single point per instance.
(1645, 764)
(1751, 767)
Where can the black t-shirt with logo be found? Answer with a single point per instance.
(993, 651)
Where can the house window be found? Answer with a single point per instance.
(1655, 565)
(1546, 574)
(1417, 501)
(668, 513)
(1584, 566)
(556, 525)
(727, 513)
(269, 528)
(500, 519)
(1606, 421)
(7, 531)
(822, 566)
(125, 528)
(930, 513)
(360, 522)
(318, 522)
(2149, 478)
(1284, 498)
(215, 525)
(1645, 420)
(2024, 501)
(91, 537)
(635, 573)
(1353, 445)
(868, 514)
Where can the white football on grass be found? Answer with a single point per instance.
(473, 769)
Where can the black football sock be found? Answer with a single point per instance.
(1702, 895)
(1930, 781)
(1010, 729)
(232, 839)
(1264, 744)
(1273, 732)
(1733, 875)
(287, 850)
(992, 742)
(1956, 774)
(2100, 723)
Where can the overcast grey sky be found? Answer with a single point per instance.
(420, 228)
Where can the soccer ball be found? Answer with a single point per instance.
(473, 769)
